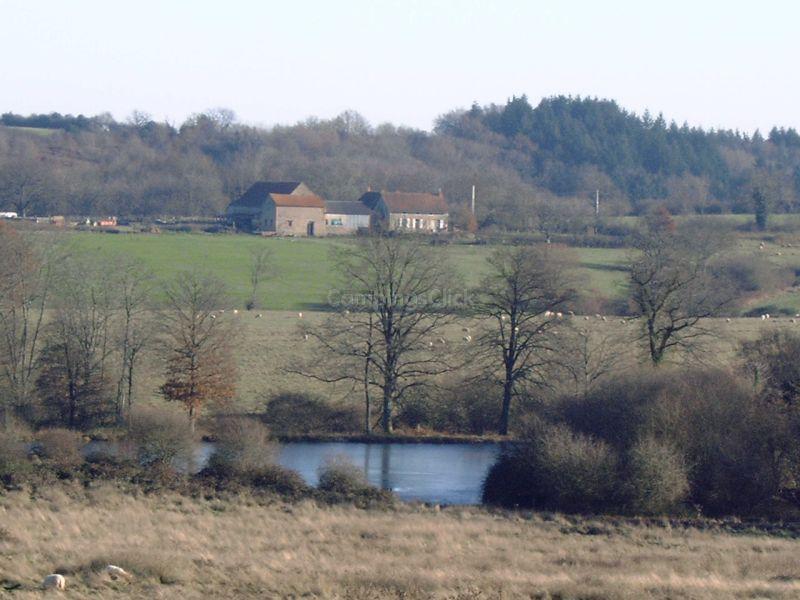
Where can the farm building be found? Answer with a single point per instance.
(409, 211)
(280, 207)
(346, 217)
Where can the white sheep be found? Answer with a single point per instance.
(213, 316)
(559, 315)
(727, 320)
(467, 338)
(547, 313)
(305, 336)
(604, 319)
(299, 315)
(116, 572)
(763, 317)
(442, 341)
(259, 315)
(236, 311)
(54, 581)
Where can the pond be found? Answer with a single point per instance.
(437, 473)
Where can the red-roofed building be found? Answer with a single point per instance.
(280, 207)
(409, 211)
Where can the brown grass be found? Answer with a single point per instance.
(191, 548)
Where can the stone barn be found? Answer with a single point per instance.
(409, 211)
(279, 207)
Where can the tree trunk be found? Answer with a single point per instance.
(505, 414)
(386, 417)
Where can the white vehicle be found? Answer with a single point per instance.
(8, 215)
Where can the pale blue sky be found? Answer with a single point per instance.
(711, 63)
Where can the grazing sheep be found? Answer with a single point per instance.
(54, 581)
(442, 341)
(503, 317)
(258, 316)
(346, 312)
(222, 310)
(547, 313)
(305, 336)
(430, 344)
(727, 320)
(116, 572)
(559, 315)
(516, 329)
(213, 316)
(597, 315)
(792, 320)
(571, 313)
(467, 338)
(586, 318)
(236, 311)
(299, 315)
(604, 319)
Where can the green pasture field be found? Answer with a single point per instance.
(306, 274)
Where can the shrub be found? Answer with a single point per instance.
(242, 446)
(557, 469)
(280, 480)
(340, 476)
(656, 479)
(468, 408)
(14, 462)
(299, 414)
(161, 437)
(753, 273)
(60, 447)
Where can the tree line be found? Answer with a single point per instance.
(532, 166)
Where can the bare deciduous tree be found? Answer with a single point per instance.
(25, 282)
(396, 299)
(672, 286)
(262, 267)
(136, 330)
(522, 295)
(200, 369)
(74, 378)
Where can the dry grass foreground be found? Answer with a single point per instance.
(179, 547)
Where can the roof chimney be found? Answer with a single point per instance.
(369, 188)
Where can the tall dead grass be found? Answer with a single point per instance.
(178, 547)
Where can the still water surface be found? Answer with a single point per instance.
(440, 473)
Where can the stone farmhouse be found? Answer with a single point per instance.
(279, 207)
(290, 208)
(409, 211)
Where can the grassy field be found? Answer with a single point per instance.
(305, 272)
(179, 547)
(266, 347)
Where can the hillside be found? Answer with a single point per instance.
(530, 164)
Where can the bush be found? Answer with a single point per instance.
(161, 437)
(60, 447)
(739, 447)
(243, 446)
(280, 480)
(750, 274)
(14, 463)
(302, 414)
(557, 469)
(656, 479)
(468, 408)
(340, 476)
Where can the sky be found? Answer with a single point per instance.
(727, 64)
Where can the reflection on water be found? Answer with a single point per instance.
(442, 473)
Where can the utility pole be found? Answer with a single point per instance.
(597, 203)
(473, 200)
